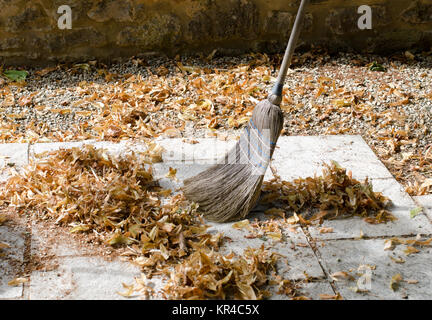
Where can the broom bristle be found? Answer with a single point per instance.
(230, 190)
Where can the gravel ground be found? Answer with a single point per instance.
(205, 96)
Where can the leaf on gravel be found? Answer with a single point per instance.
(395, 282)
(3, 218)
(375, 66)
(415, 211)
(4, 245)
(45, 71)
(25, 101)
(409, 55)
(16, 75)
(426, 184)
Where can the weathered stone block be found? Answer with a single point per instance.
(159, 32)
(220, 21)
(418, 12)
(118, 10)
(31, 17)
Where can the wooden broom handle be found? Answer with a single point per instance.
(277, 88)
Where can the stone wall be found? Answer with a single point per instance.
(103, 29)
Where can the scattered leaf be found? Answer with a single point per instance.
(17, 281)
(410, 250)
(414, 212)
(395, 282)
(16, 75)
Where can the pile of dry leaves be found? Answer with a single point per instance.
(89, 190)
(335, 194)
(211, 274)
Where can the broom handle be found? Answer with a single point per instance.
(277, 88)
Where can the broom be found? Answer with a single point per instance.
(229, 190)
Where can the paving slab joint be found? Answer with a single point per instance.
(319, 258)
(27, 258)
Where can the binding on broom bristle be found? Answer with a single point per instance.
(228, 191)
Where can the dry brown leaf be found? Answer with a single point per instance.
(172, 174)
(4, 245)
(337, 276)
(330, 297)
(410, 250)
(17, 281)
(326, 230)
(395, 282)
(389, 245)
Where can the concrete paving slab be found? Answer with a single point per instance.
(82, 278)
(206, 151)
(312, 290)
(13, 154)
(426, 203)
(47, 242)
(12, 157)
(38, 148)
(404, 225)
(303, 156)
(373, 268)
(11, 260)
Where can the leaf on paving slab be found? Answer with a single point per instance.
(337, 276)
(395, 282)
(389, 244)
(410, 250)
(397, 260)
(411, 281)
(415, 211)
(325, 230)
(276, 236)
(244, 224)
(330, 297)
(17, 281)
(129, 290)
(172, 174)
(294, 219)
